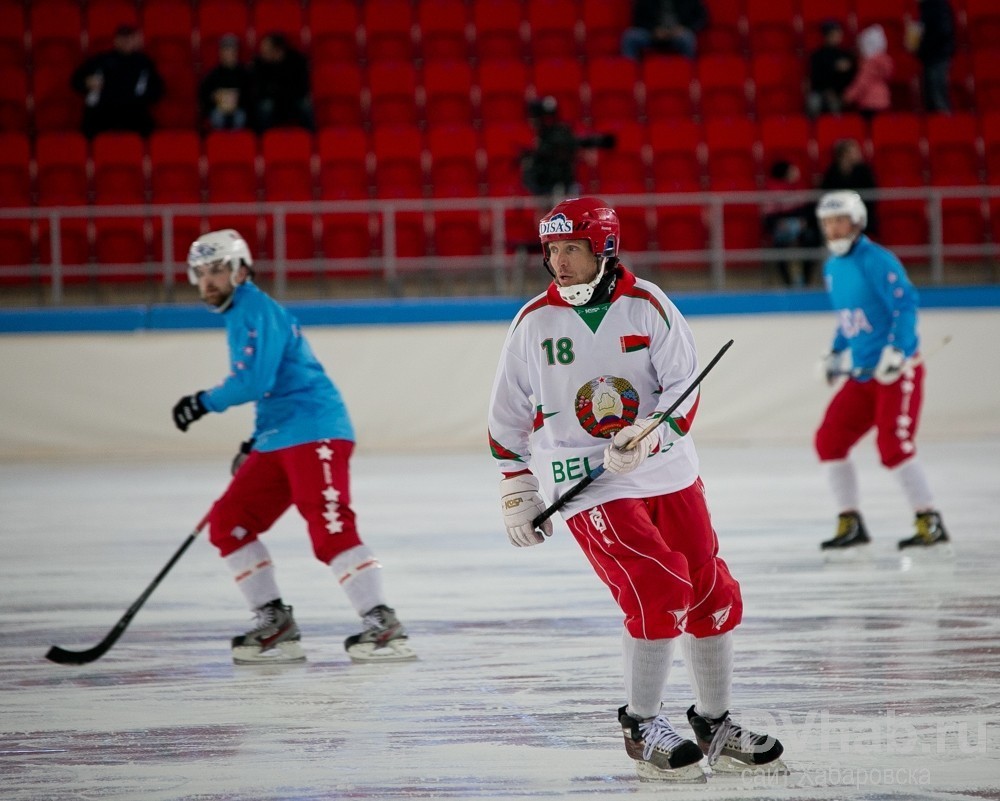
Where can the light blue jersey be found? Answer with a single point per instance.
(875, 302)
(273, 366)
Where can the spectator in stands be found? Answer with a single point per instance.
(932, 40)
(119, 86)
(225, 91)
(849, 170)
(664, 26)
(790, 223)
(869, 91)
(831, 70)
(280, 84)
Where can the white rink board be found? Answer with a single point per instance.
(424, 388)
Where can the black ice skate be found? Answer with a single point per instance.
(275, 638)
(660, 753)
(930, 533)
(732, 749)
(851, 537)
(383, 640)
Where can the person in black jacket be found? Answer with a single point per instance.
(932, 40)
(224, 92)
(279, 79)
(849, 170)
(664, 26)
(831, 70)
(120, 87)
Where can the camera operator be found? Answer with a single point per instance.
(550, 169)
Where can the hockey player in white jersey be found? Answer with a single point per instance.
(586, 366)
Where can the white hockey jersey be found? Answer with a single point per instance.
(571, 377)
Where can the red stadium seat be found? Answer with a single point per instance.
(722, 81)
(346, 236)
(953, 149)
(603, 25)
(56, 27)
(732, 155)
(623, 169)
(460, 233)
(561, 78)
(455, 161)
(902, 222)
(13, 26)
(121, 240)
(178, 108)
(119, 169)
(448, 93)
(280, 16)
(677, 155)
(986, 78)
(16, 248)
(499, 30)
(896, 143)
(831, 129)
(816, 12)
(15, 170)
(444, 30)
(393, 94)
(217, 18)
(175, 174)
(773, 26)
(552, 28)
(399, 169)
(787, 139)
(990, 129)
(167, 27)
(75, 237)
(504, 145)
(231, 162)
(335, 30)
(13, 98)
(343, 164)
(103, 19)
(61, 160)
(502, 88)
(983, 19)
(287, 159)
(388, 26)
(667, 81)
(612, 82)
(56, 106)
(778, 84)
(726, 30)
(336, 95)
(679, 228)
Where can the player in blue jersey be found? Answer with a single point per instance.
(876, 307)
(299, 454)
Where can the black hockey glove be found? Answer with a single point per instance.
(188, 409)
(241, 456)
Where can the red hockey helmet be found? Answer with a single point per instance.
(582, 218)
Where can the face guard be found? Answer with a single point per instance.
(588, 218)
(843, 204)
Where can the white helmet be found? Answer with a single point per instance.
(843, 203)
(226, 246)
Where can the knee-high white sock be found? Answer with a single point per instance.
(360, 574)
(912, 478)
(843, 480)
(709, 663)
(254, 574)
(647, 666)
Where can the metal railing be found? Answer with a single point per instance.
(504, 261)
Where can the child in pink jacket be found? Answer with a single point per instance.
(869, 91)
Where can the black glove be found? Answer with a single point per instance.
(241, 456)
(188, 409)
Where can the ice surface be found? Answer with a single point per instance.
(882, 679)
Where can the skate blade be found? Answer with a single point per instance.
(284, 653)
(689, 774)
(727, 764)
(392, 651)
(940, 557)
(856, 554)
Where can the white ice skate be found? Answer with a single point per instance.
(383, 640)
(660, 753)
(274, 640)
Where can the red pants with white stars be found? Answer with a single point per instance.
(315, 477)
(660, 559)
(893, 409)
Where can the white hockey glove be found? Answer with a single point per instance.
(520, 503)
(890, 365)
(833, 366)
(618, 460)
